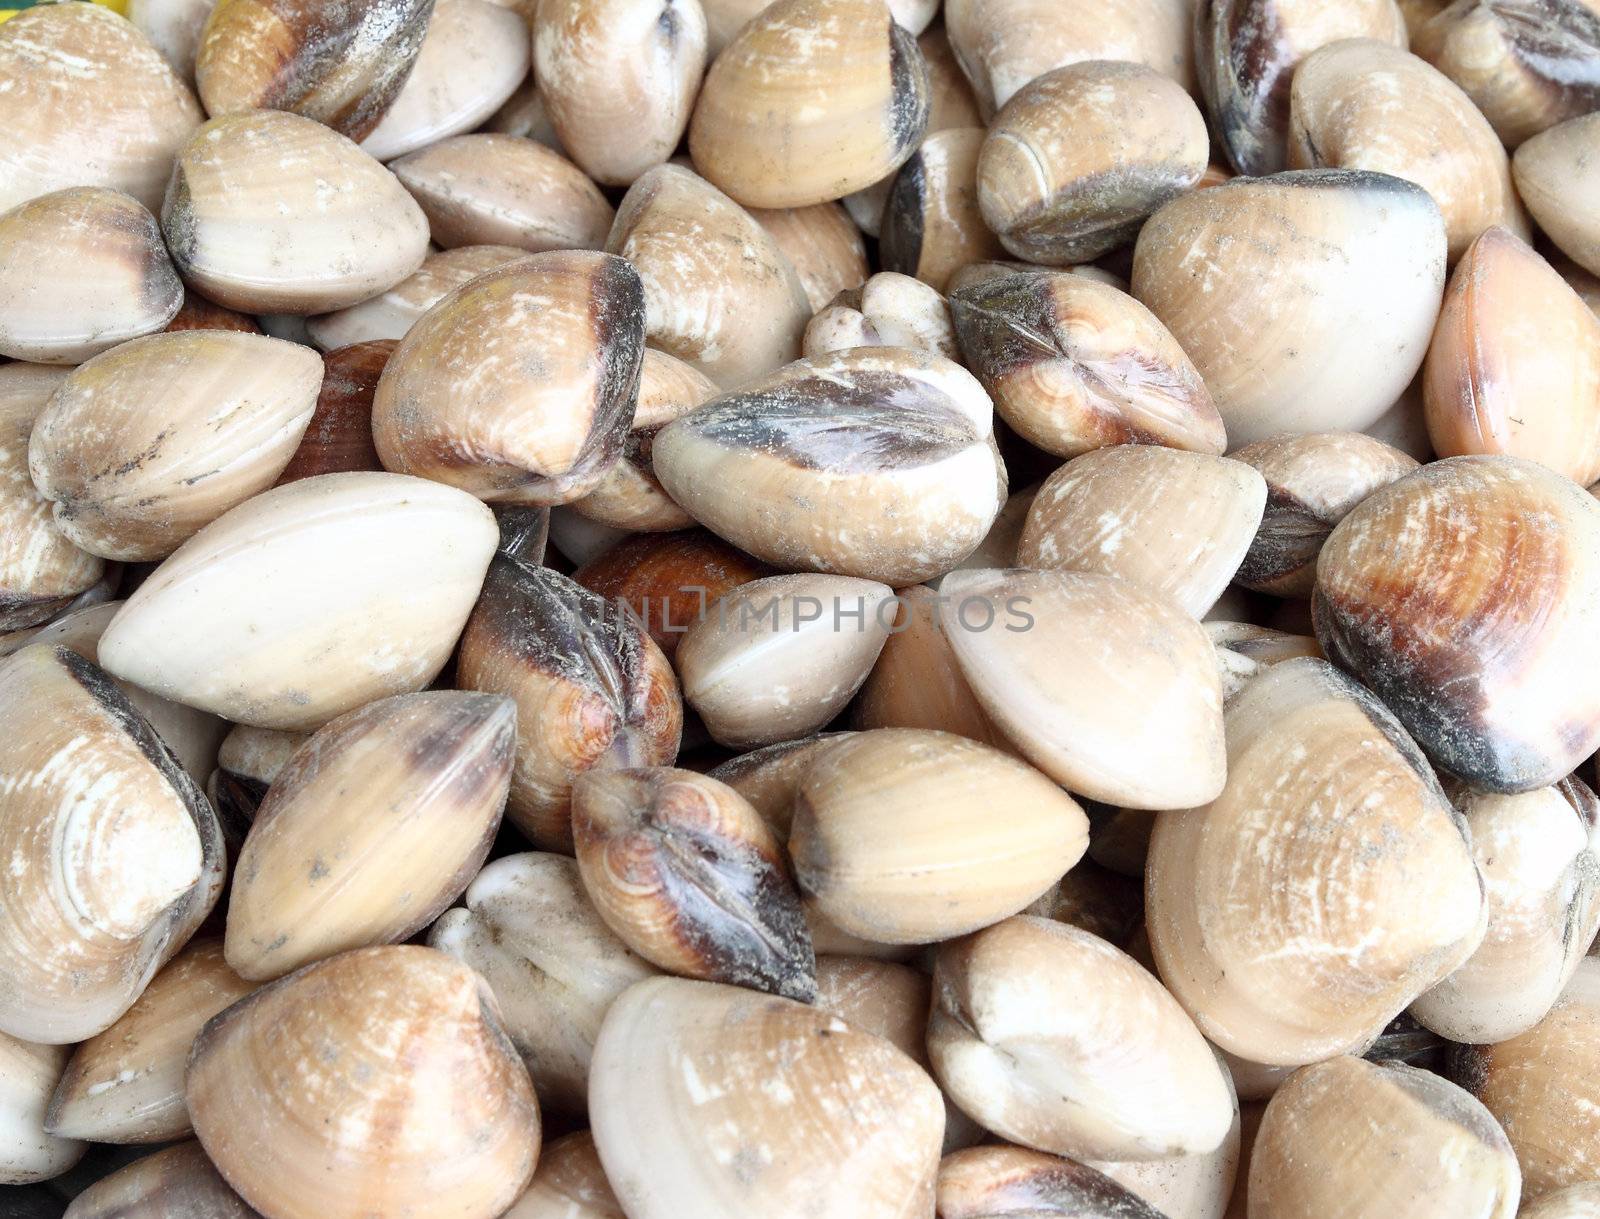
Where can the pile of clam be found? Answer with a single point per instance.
(829, 609)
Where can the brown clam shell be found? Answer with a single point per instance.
(339, 436)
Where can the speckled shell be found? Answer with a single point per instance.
(1465, 596)
(813, 99)
(115, 856)
(517, 386)
(1514, 366)
(147, 443)
(492, 189)
(720, 293)
(1306, 299)
(1327, 887)
(28, 1073)
(337, 616)
(81, 270)
(931, 223)
(799, 467)
(1134, 720)
(770, 776)
(126, 1084)
(177, 1183)
(338, 439)
(380, 1081)
(1080, 156)
(1074, 365)
(1312, 482)
(995, 1182)
(894, 835)
(888, 310)
(823, 245)
(90, 103)
(473, 57)
(570, 1184)
(268, 212)
(389, 315)
(619, 79)
(847, 1126)
(591, 688)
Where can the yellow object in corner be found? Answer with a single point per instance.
(10, 8)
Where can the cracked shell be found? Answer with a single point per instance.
(389, 315)
(996, 1182)
(931, 224)
(176, 1183)
(28, 1074)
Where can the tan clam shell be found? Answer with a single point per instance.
(1018, 1042)
(1327, 887)
(1077, 159)
(847, 1127)
(492, 189)
(1134, 719)
(619, 79)
(389, 315)
(176, 1183)
(125, 1085)
(995, 1182)
(570, 1184)
(380, 1081)
(1556, 175)
(999, 546)
(797, 468)
(1174, 522)
(90, 103)
(931, 224)
(769, 777)
(720, 293)
(115, 856)
(823, 245)
(590, 686)
(80, 271)
(1514, 366)
(524, 114)
(147, 443)
(338, 439)
(28, 1075)
(811, 100)
(1306, 299)
(475, 397)
(1465, 596)
(555, 967)
(268, 212)
(258, 753)
(887, 310)
(952, 103)
(472, 59)
(1581, 1201)
(895, 838)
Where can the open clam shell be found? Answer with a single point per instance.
(176, 1183)
(28, 1075)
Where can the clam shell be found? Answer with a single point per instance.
(823, 245)
(80, 271)
(268, 212)
(28, 1074)
(1245, 651)
(338, 438)
(848, 1127)
(951, 100)
(1555, 175)
(1327, 887)
(570, 1184)
(577, 539)
(524, 114)
(115, 856)
(1306, 300)
(770, 776)
(895, 838)
(90, 103)
(1465, 597)
(475, 398)
(197, 313)
(812, 99)
(337, 615)
(888, 310)
(147, 443)
(177, 1183)
(999, 546)
(992, 1182)
(1581, 1201)
(377, 1082)
(931, 223)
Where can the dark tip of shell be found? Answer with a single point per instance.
(901, 228)
(910, 90)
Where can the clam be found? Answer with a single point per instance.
(999, 546)
(492, 189)
(380, 1081)
(524, 114)
(1074, 364)
(115, 857)
(517, 386)
(197, 313)
(1465, 597)
(1244, 650)
(553, 964)
(995, 1182)
(389, 315)
(779, 657)
(81, 270)
(173, 28)
(268, 212)
(692, 879)
(770, 776)
(823, 245)
(1312, 483)
(338, 438)
(720, 1102)
(147, 443)
(887, 310)
(1581, 1201)
(1514, 366)
(473, 57)
(1556, 175)
(177, 1183)
(931, 224)
(1328, 886)
(894, 835)
(28, 1075)
(811, 100)
(951, 100)
(1053, 1038)
(360, 584)
(125, 1085)
(865, 206)
(1174, 522)
(800, 467)
(618, 79)
(252, 758)
(591, 689)
(570, 1184)
(1539, 853)
(1364, 104)
(1077, 159)
(90, 103)
(1306, 299)
(1159, 747)
(1097, 900)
